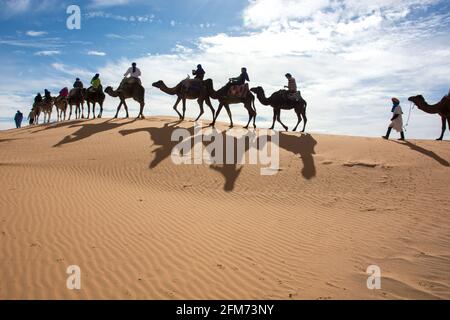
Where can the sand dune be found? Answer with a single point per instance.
(106, 196)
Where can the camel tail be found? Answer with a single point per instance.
(253, 103)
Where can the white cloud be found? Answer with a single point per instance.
(261, 13)
(96, 53)
(32, 33)
(48, 53)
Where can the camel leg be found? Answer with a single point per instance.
(227, 107)
(274, 119)
(202, 111)
(141, 111)
(184, 108)
(250, 115)
(444, 127)
(70, 112)
(126, 108)
(279, 120)
(217, 114)
(175, 107)
(101, 110)
(299, 117)
(305, 120)
(77, 111)
(209, 104)
(89, 110)
(118, 109)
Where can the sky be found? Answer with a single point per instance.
(349, 57)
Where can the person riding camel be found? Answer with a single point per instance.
(396, 120)
(96, 83)
(238, 81)
(78, 84)
(199, 73)
(134, 72)
(37, 99)
(47, 96)
(292, 87)
(64, 93)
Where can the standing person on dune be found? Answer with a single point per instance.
(396, 120)
(18, 119)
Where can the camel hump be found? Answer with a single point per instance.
(131, 81)
(192, 84)
(239, 91)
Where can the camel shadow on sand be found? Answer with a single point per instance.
(57, 125)
(302, 145)
(161, 138)
(87, 130)
(425, 152)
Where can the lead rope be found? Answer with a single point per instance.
(411, 107)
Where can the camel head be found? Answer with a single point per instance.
(109, 90)
(158, 84)
(257, 90)
(417, 100)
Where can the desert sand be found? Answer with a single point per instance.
(105, 195)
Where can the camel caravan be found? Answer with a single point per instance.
(236, 91)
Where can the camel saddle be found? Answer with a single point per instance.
(192, 84)
(238, 91)
(130, 81)
(291, 96)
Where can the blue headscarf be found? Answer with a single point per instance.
(396, 104)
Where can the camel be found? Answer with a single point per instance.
(61, 107)
(45, 107)
(76, 99)
(94, 96)
(225, 101)
(191, 89)
(442, 108)
(129, 88)
(33, 117)
(278, 102)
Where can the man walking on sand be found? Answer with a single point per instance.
(18, 119)
(396, 121)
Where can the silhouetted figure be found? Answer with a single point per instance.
(18, 119)
(240, 80)
(47, 95)
(78, 84)
(134, 72)
(64, 93)
(396, 121)
(96, 83)
(292, 84)
(38, 99)
(199, 73)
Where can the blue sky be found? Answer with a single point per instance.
(348, 56)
